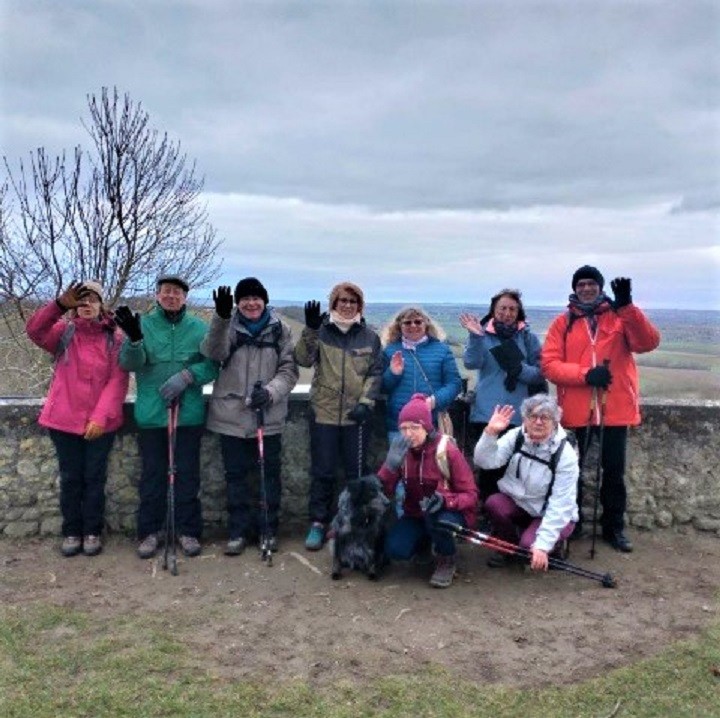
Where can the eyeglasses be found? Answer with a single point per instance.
(411, 427)
(544, 418)
(412, 322)
(345, 300)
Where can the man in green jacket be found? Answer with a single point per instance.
(163, 349)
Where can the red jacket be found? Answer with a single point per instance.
(423, 477)
(88, 383)
(568, 355)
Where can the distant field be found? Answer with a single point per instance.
(685, 367)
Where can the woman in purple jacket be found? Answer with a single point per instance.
(84, 405)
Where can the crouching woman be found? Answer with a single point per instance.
(536, 505)
(439, 485)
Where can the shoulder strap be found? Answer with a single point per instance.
(442, 458)
(422, 371)
(242, 339)
(551, 464)
(64, 343)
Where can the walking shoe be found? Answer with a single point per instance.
(148, 546)
(272, 543)
(92, 545)
(618, 540)
(190, 546)
(236, 546)
(444, 572)
(315, 537)
(71, 546)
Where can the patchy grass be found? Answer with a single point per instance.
(57, 662)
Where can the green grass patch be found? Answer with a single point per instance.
(57, 662)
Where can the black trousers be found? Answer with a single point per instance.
(83, 473)
(328, 444)
(613, 494)
(246, 514)
(154, 481)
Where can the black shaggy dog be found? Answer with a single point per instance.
(360, 524)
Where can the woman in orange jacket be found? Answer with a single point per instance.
(588, 354)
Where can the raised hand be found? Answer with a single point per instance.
(500, 419)
(223, 302)
(622, 291)
(397, 363)
(313, 317)
(74, 296)
(129, 323)
(396, 453)
(471, 322)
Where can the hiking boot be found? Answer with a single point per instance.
(148, 546)
(315, 537)
(190, 546)
(444, 572)
(71, 546)
(618, 540)
(235, 546)
(92, 545)
(272, 543)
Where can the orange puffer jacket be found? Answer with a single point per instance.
(567, 356)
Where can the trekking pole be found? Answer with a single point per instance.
(599, 469)
(265, 552)
(360, 450)
(480, 539)
(170, 553)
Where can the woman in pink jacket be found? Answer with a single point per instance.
(84, 405)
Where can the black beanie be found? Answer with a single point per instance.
(588, 272)
(250, 287)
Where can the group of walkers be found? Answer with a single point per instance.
(527, 483)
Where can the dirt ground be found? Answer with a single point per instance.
(291, 621)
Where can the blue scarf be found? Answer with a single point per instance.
(255, 327)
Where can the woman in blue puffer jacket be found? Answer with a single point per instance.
(417, 360)
(506, 355)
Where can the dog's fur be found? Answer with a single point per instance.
(360, 526)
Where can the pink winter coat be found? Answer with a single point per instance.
(88, 383)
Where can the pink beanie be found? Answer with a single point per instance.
(417, 411)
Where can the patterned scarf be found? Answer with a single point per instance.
(591, 310)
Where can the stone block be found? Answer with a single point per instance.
(21, 529)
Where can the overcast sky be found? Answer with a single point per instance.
(429, 151)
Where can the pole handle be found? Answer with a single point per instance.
(259, 413)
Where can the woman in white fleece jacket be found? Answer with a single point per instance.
(530, 508)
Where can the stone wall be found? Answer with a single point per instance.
(673, 476)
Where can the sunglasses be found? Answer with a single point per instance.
(411, 322)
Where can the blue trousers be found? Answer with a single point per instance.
(246, 517)
(408, 534)
(83, 473)
(153, 487)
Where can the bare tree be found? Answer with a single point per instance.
(121, 213)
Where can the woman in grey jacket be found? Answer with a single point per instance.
(257, 374)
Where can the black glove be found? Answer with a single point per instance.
(313, 318)
(396, 453)
(129, 323)
(259, 398)
(511, 378)
(175, 386)
(223, 302)
(432, 504)
(621, 288)
(599, 376)
(360, 414)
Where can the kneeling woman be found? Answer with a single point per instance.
(439, 484)
(535, 504)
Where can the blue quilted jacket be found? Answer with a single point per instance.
(443, 378)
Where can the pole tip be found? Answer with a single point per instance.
(609, 581)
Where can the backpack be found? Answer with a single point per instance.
(442, 458)
(66, 338)
(551, 464)
(244, 340)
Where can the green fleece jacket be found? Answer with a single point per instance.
(166, 348)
